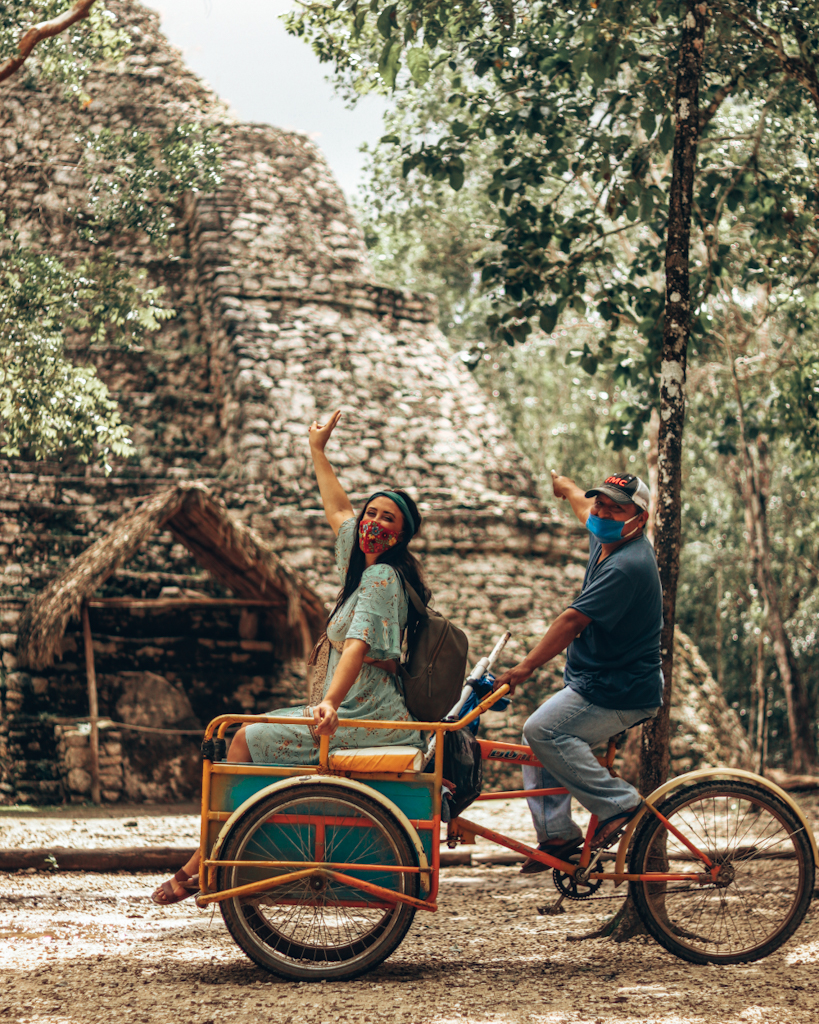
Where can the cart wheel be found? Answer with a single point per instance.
(763, 890)
(318, 928)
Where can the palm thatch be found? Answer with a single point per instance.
(229, 550)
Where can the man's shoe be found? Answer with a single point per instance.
(612, 828)
(560, 848)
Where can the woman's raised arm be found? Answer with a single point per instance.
(337, 505)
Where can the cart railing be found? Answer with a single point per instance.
(219, 726)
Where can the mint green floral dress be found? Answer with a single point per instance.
(377, 614)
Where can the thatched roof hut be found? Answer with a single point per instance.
(232, 552)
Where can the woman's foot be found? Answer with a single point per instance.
(176, 889)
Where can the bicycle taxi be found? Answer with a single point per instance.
(318, 871)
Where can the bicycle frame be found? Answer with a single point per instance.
(460, 829)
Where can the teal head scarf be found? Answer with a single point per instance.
(409, 521)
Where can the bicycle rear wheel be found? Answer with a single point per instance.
(317, 928)
(764, 886)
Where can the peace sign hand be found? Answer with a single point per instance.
(320, 435)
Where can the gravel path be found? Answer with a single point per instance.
(92, 948)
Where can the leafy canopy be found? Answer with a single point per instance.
(566, 112)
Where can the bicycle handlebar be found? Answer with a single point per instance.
(477, 673)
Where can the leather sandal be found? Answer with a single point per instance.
(560, 848)
(166, 895)
(610, 830)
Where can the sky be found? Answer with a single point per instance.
(242, 49)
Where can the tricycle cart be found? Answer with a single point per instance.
(319, 871)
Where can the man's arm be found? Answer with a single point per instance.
(558, 637)
(568, 489)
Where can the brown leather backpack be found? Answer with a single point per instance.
(433, 673)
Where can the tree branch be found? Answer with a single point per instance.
(720, 96)
(44, 30)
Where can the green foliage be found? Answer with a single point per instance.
(586, 376)
(66, 58)
(49, 406)
(142, 177)
(566, 114)
(52, 404)
(718, 604)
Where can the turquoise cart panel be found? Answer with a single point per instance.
(413, 796)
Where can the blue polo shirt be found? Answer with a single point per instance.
(615, 662)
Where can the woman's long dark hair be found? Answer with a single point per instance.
(398, 556)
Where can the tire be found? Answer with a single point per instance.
(317, 929)
(767, 884)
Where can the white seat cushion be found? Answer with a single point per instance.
(377, 759)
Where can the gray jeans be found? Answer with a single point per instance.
(561, 734)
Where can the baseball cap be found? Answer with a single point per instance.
(625, 489)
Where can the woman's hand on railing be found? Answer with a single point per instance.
(325, 718)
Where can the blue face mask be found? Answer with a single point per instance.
(607, 531)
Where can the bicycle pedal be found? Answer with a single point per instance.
(613, 839)
(552, 909)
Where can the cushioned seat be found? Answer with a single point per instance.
(377, 759)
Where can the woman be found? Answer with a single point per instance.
(356, 661)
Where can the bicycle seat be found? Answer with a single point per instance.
(388, 758)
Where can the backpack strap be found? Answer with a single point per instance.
(417, 603)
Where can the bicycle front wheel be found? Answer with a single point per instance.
(318, 928)
(765, 883)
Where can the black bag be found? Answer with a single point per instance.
(463, 767)
(433, 674)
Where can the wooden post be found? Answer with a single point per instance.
(93, 708)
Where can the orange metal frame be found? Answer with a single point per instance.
(458, 829)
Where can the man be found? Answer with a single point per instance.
(612, 678)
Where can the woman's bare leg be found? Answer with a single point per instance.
(238, 752)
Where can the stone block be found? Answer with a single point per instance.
(76, 757)
(79, 781)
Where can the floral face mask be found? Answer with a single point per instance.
(374, 538)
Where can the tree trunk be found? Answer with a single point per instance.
(761, 742)
(718, 624)
(676, 330)
(654, 752)
(653, 472)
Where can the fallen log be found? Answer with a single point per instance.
(166, 858)
(127, 858)
(792, 783)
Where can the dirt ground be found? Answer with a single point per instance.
(92, 948)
